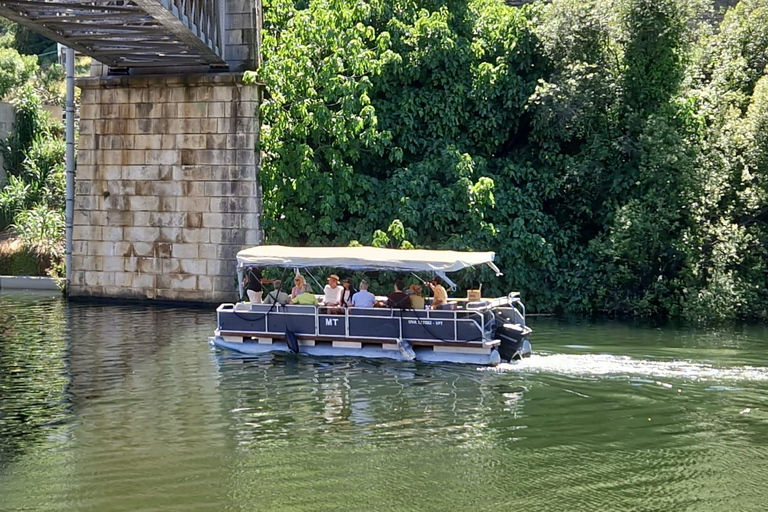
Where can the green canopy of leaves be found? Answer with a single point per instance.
(612, 153)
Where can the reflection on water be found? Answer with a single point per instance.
(127, 407)
(32, 372)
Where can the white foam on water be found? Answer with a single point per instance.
(609, 365)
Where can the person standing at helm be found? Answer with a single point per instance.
(440, 296)
(253, 284)
(332, 291)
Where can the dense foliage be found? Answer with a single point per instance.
(613, 153)
(32, 196)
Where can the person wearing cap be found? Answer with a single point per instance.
(332, 291)
(277, 295)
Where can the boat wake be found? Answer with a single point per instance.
(613, 365)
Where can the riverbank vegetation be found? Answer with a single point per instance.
(32, 195)
(614, 154)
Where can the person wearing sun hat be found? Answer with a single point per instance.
(332, 291)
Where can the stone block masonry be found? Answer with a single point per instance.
(166, 187)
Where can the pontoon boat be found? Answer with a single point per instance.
(475, 330)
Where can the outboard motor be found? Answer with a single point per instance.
(514, 341)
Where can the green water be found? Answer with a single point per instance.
(128, 408)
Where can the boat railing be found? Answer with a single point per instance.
(516, 303)
(427, 316)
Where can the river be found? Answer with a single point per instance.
(108, 407)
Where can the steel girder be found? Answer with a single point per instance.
(129, 33)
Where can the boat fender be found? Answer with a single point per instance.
(291, 341)
(406, 350)
(495, 358)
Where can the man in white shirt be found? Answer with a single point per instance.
(363, 298)
(332, 291)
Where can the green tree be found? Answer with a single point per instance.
(611, 153)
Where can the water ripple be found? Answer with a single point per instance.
(127, 408)
(601, 365)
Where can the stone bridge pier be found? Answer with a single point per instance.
(165, 185)
(166, 190)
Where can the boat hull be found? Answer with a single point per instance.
(423, 354)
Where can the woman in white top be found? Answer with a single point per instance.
(332, 291)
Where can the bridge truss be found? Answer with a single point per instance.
(129, 33)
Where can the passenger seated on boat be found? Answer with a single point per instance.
(440, 296)
(398, 299)
(417, 300)
(347, 292)
(332, 291)
(305, 298)
(277, 295)
(363, 298)
(298, 288)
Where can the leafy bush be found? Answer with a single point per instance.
(15, 69)
(611, 153)
(32, 122)
(33, 199)
(41, 229)
(15, 197)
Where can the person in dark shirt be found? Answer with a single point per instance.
(347, 292)
(398, 299)
(253, 284)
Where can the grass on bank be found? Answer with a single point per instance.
(18, 260)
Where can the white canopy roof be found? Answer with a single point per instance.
(363, 258)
